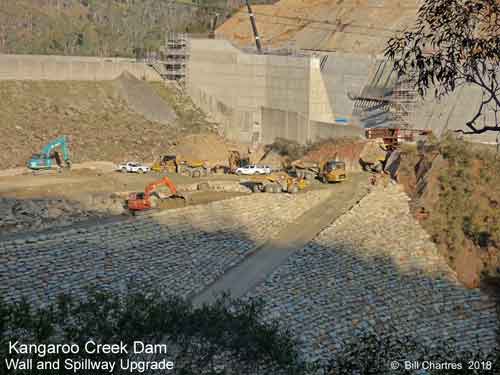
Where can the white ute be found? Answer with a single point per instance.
(253, 169)
(132, 167)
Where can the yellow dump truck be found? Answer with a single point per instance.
(332, 171)
(278, 183)
(325, 171)
(185, 167)
(305, 169)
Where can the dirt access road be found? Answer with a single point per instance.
(46, 201)
(49, 200)
(71, 185)
(74, 184)
(265, 259)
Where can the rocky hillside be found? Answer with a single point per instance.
(347, 149)
(100, 123)
(359, 26)
(456, 194)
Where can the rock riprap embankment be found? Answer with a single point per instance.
(375, 269)
(180, 251)
(17, 215)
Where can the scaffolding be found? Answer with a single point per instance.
(170, 62)
(404, 100)
(176, 55)
(387, 101)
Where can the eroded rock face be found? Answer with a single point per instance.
(35, 214)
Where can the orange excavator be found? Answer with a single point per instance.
(151, 197)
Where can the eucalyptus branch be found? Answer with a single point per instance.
(465, 49)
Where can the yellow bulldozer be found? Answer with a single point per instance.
(278, 183)
(185, 167)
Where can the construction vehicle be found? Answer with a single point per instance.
(305, 169)
(43, 160)
(278, 183)
(374, 155)
(237, 161)
(193, 168)
(213, 25)
(394, 137)
(185, 167)
(326, 171)
(332, 171)
(385, 142)
(152, 197)
(167, 163)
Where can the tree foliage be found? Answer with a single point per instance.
(228, 333)
(96, 28)
(371, 354)
(454, 43)
(227, 337)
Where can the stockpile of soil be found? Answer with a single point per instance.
(355, 26)
(206, 147)
(142, 98)
(343, 149)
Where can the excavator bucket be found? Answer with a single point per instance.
(173, 201)
(180, 197)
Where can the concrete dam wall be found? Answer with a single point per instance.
(257, 98)
(71, 68)
(305, 98)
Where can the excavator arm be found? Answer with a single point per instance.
(145, 201)
(43, 160)
(165, 181)
(234, 160)
(62, 142)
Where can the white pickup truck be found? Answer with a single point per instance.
(253, 169)
(132, 166)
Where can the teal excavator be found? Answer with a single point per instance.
(43, 160)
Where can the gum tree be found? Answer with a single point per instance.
(454, 43)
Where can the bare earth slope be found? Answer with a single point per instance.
(360, 26)
(100, 123)
(143, 99)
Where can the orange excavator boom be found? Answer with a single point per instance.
(143, 201)
(165, 181)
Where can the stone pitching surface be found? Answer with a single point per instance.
(375, 269)
(179, 251)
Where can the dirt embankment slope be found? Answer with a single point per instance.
(359, 26)
(346, 149)
(455, 188)
(97, 118)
